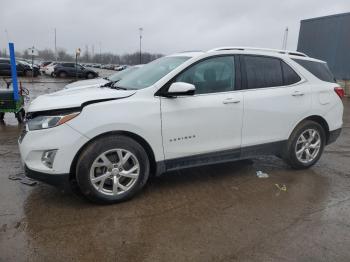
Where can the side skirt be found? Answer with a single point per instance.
(274, 148)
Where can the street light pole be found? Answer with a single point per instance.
(55, 47)
(77, 54)
(285, 39)
(140, 30)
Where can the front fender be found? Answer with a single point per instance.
(134, 115)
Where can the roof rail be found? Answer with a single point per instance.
(287, 52)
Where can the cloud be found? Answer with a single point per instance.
(169, 26)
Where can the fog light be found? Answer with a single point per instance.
(48, 157)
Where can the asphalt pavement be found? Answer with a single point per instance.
(215, 213)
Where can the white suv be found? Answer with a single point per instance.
(183, 110)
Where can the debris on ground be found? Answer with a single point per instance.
(18, 176)
(23, 179)
(28, 181)
(261, 174)
(280, 188)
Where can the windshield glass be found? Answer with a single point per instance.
(118, 76)
(151, 73)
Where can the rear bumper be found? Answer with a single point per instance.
(333, 136)
(58, 180)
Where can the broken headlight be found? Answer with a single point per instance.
(44, 122)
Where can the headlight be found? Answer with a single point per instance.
(44, 122)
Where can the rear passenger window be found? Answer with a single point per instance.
(68, 64)
(289, 75)
(263, 72)
(318, 69)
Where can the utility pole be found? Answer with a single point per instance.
(55, 46)
(32, 54)
(100, 53)
(77, 54)
(140, 31)
(285, 39)
(8, 41)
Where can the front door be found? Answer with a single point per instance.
(208, 122)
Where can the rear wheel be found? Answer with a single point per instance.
(62, 74)
(28, 73)
(2, 116)
(112, 169)
(305, 145)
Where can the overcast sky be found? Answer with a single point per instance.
(169, 26)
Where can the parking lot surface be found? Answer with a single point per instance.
(215, 213)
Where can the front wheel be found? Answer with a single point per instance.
(305, 145)
(112, 169)
(90, 76)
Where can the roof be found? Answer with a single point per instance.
(325, 17)
(252, 50)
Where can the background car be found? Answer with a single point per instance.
(23, 68)
(110, 80)
(48, 70)
(44, 64)
(72, 70)
(120, 67)
(34, 67)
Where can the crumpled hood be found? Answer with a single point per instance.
(69, 98)
(87, 83)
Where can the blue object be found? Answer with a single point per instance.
(14, 71)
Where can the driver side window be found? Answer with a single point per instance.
(211, 75)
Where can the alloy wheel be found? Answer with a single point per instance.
(308, 146)
(114, 172)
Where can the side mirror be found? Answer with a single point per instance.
(181, 89)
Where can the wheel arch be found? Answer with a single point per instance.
(320, 120)
(137, 138)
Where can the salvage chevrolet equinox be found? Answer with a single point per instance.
(183, 110)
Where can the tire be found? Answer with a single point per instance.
(90, 76)
(311, 148)
(62, 74)
(99, 161)
(28, 73)
(2, 116)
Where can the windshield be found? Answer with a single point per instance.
(118, 76)
(24, 62)
(151, 73)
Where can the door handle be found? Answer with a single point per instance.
(231, 101)
(298, 93)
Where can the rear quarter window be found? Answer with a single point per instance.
(318, 69)
(289, 75)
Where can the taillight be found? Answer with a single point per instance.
(340, 91)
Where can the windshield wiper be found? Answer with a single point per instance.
(118, 87)
(108, 84)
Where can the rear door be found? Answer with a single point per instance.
(274, 100)
(70, 68)
(80, 70)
